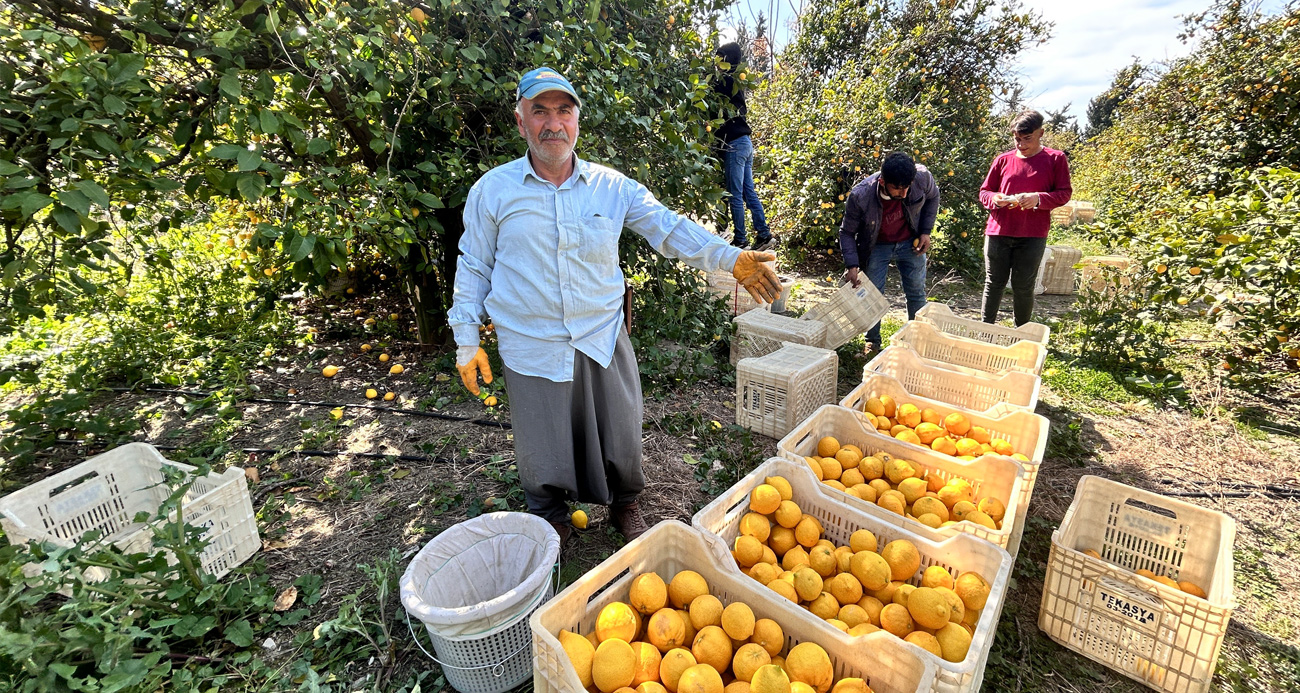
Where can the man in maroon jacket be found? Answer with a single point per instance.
(1023, 186)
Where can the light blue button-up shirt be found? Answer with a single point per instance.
(543, 262)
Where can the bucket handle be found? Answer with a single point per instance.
(498, 669)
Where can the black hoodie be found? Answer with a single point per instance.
(736, 126)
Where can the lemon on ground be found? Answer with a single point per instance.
(764, 499)
(706, 610)
(925, 641)
(329, 371)
(614, 665)
(580, 653)
(397, 369)
(809, 664)
(954, 642)
(781, 485)
(844, 587)
(824, 606)
(712, 647)
(769, 679)
(674, 662)
(827, 447)
(579, 519)
(648, 593)
(973, 589)
(371, 393)
(383, 358)
(785, 589)
(616, 621)
(895, 619)
(756, 526)
(685, 587)
(747, 660)
(807, 584)
(748, 550)
(666, 630)
(871, 570)
(928, 607)
(903, 558)
(936, 576)
(390, 396)
(738, 621)
(647, 663)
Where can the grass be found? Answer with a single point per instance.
(1089, 387)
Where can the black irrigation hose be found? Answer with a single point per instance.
(333, 405)
(1238, 490)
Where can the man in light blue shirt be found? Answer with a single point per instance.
(540, 256)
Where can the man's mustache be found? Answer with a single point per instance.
(553, 135)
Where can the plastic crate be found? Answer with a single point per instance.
(1064, 215)
(1056, 274)
(106, 492)
(760, 332)
(1007, 479)
(1092, 274)
(670, 547)
(848, 313)
(1160, 636)
(1084, 212)
(945, 349)
(721, 283)
(942, 317)
(720, 522)
(777, 391)
(961, 387)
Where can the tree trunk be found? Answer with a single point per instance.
(430, 270)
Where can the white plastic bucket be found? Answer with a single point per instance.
(474, 587)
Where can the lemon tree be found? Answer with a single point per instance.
(349, 133)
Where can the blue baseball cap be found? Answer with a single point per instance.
(544, 79)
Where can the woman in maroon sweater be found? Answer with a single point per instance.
(1023, 186)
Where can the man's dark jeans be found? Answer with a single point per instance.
(1015, 258)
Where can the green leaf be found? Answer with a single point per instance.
(270, 124)
(93, 190)
(251, 186)
(593, 11)
(227, 151)
(300, 246)
(66, 218)
(318, 146)
(240, 633)
(8, 168)
(249, 160)
(230, 85)
(76, 200)
(378, 144)
(114, 105)
(429, 200)
(33, 202)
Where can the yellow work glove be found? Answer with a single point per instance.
(473, 362)
(758, 279)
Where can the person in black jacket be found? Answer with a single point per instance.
(889, 217)
(738, 154)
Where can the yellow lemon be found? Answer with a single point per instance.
(747, 661)
(895, 619)
(954, 642)
(973, 590)
(648, 593)
(825, 607)
(617, 622)
(768, 634)
(871, 570)
(925, 641)
(788, 514)
(769, 679)
(685, 587)
(647, 663)
(945, 446)
(815, 465)
(968, 446)
(580, 653)
(807, 532)
(871, 468)
(931, 505)
(907, 435)
(329, 371)
(872, 606)
(785, 589)
(807, 584)
(781, 485)
(764, 499)
(847, 458)
(852, 615)
(614, 665)
(822, 559)
(928, 608)
(700, 678)
(748, 550)
(874, 406)
(666, 630)
(827, 447)
(579, 519)
(738, 621)
(979, 434)
(809, 664)
(782, 538)
(764, 572)
(909, 415)
(794, 558)
(903, 559)
(831, 468)
(928, 432)
(397, 369)
(898, 469)
(936, 576)
(756, 526)
(1192, 589)
(862, 540)
(993, 508)
(652, 687)
(712, 647)
(706, 610)
(912, 489)
(674, 662)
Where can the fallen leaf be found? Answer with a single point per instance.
(441, 378)
(401, 473)
(274, 545)
(286, 598)
(298, 489)
(252, 473)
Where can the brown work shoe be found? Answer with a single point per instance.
(565, 530)
(627, 519)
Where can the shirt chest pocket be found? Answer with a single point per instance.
(599, 243)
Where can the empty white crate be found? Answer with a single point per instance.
(1056, 273)
(848, 313)
(106, 492)
(958, 386)
(760, 332)
(942, 317)
(721, 283)
(777, 391)
(1161, 636)
(945, 349)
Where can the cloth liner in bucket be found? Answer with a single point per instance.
(481, 574)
